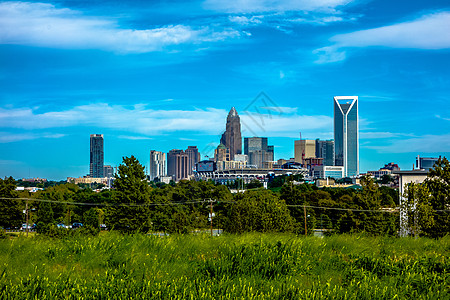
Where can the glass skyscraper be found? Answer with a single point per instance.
(97, 156)
(346, 134)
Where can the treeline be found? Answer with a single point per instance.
(134, 205)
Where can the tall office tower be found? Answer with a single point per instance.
(346, 134)
(108, 171)
(157, 164)
(325, 150)
(231, 138)
(304, 149)
(193, 158)
(177, 164)
(263, 152)
(254, 143)
(97, 156)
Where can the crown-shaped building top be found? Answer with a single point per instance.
(231, 138)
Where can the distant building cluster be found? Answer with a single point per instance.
(313, 158)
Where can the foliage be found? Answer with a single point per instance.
(131, 198)
(10, 209)
(258, 211)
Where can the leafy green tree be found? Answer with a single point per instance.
(131, 212)
(10, 209)
(438, 183)
(260, 211)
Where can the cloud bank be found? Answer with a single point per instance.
(429, 32)
(148, 122)
(44, 25)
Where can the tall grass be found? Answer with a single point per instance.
(251, 266)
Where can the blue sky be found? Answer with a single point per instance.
(163, 75)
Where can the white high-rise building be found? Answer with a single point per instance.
(157, 164)
(346, 134)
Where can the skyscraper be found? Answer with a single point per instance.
(193, 158)
(97, 156)
(258, 151)
(157, 164)
(177, 164)
(304, 149)
(325, 150)
(346, 134)
(231, 138)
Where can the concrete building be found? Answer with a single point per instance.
(325, 150)
(388, 169)
(177, 165)
(193, 158)
(304, 149)
(257, 158)
(405, 178)
(231, 138)
(258, 151)
(108, 171)
(221, 153)
(346, 134)
(157, 164)
(96, 156)
(324, 172)
(425, 163)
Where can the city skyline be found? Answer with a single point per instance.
(163, 75)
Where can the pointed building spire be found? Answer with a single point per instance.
(232, 135)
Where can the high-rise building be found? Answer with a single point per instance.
(304, 149)
(108, 171)
(177, 164)
(221, 153)
(97, 156)
(157, 164)
(325, 150)
(258, 151)
(254, 143)
(193, 158)
(231, 138)
(346, 134)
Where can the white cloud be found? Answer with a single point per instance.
(243, 20)
(426, 144)
(130, 137)
(442, 118)
(252, 6)
(42, 24)
(6, 137)
(139, 119)
(427, 32)
(382, 135)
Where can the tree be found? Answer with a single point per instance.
(260, 211)
(10, 209)
(131, 197)
(438, 184)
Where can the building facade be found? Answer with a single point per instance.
(157, 164)
(325, 172)
(346, 134)
(193, 158)
(258, 151)
(177, 164)
(231, 138)
(325, 150)
(108, 171)
(96, 156)
(425, 163)
(304, 149)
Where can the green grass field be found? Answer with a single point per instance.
(250, 266)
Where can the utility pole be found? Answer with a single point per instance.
(26, 211)
(211, 214)
(306, 230)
